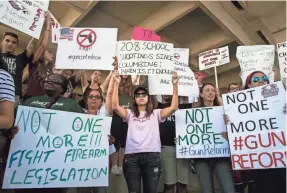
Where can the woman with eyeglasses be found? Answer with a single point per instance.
(96, 106)
(142, 159)
(266, 180)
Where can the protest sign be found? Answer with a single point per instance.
(187, 85)
(25, 16)
(282, 57)
(88, 48)
(145, 58)
(58, 149)
(56, 30)
(213, 58)
(198, 133)
(145, 34)
(256, 58)
(257, 129)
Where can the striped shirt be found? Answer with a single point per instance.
(7, 88)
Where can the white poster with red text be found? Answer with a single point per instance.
(25, 16)
(56, 30)
(257, 128)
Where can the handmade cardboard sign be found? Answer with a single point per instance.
(86, 48)
(25, 16)
(58, 149)
(187, 86)
(213, 58)
(256, 58)
(145, 34)
(56, 30)
(199, 133)
(145, 58)
(257, 128)
(282, 57)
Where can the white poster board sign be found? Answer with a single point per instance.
(257, 129)
(25, 16)
(56, 30)
(145, 58)
(187, 85)
(87, 48)
(213, 58)
(58, 149)
(198, 133)
(282, 57)
(256, 58)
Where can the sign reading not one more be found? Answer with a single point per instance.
(58, 149)
(199, 133)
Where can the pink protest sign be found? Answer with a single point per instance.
(145, 34)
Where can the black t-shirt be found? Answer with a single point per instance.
(167, 128)
(16, 65)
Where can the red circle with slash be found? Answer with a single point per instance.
(89, 38)
(176, 55)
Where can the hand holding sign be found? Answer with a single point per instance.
(175, 79)
(117, 77)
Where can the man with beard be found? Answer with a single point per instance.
(175, 171)
(55, 85)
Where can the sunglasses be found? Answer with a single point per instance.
(96, 97)
(140, 95)
(257, 79)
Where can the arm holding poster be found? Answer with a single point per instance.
(122, 112)
(31, 47)
(45, 40)
(166, 112)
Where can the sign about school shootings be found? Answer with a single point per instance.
(58, 149)
(282, 57)
(213, 58)
(256, 58)
(87, 48)
(198, 133)
(257, 128)
(145, 58)
(187, 85)
(25, 16)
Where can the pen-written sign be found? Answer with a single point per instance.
(25, 16)
(58, 149)
(213, 58)
(145, 58)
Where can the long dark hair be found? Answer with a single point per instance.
(149, 107)
(248, 79)
(215, 102)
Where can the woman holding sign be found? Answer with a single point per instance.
(206, 167)
(266, 180)
(142, 159)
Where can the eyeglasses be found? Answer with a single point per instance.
(96, 97)
(140, 95)
(257, 79)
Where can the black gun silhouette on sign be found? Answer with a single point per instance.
(89, 37)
